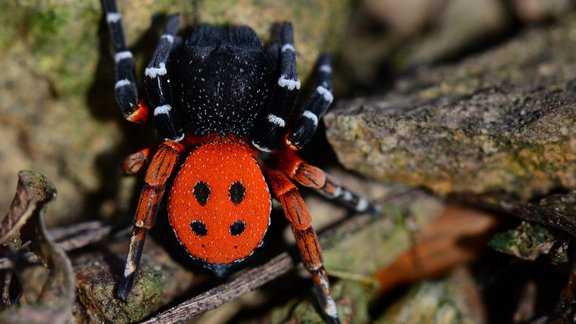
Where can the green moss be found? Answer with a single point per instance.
(351, 297)
(368, 250)
(430, 302)
(527, 241)
(147, 294)
(45, 24)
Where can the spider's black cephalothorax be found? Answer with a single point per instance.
(222, 80)
(220, 97)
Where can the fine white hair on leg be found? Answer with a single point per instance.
(168, 37)
(310, 115)
(122, 56)
(113, 17)
(291, 84)
(153, 72)
(276, 120)
(326, 94)
(122, 83)
(288, 47)
(362, 204)
(326, 68)
(164, 109)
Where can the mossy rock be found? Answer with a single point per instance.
(503, 120)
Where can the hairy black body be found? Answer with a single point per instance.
(222, 79)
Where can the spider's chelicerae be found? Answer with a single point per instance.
(219, 99)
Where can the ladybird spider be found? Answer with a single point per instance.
(220, 100)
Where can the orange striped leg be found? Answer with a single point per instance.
(136, 161)
(158, 172)
(299, 218)
(310, 176)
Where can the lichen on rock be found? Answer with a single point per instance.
(503, 120)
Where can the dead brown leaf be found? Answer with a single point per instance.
(24, 229)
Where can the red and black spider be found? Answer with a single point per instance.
(220, 100)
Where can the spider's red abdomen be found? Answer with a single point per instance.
(219, 204)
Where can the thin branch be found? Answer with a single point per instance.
(244, 283)
(254, 278)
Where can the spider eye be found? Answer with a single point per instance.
(201, 192)
(199, 228)
(237, 228)
(237, 192)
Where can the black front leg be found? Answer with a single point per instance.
(271, 128)
(305, 126)
(157, 83)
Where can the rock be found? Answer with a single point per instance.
(388, 36)
(455, 299)
(503, 120)
(527, 241)
(534, 10)
(159, 281)
(351, 297)
(49, 57)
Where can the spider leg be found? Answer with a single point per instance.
(310, 176)
(158, 172)
(299, 218)
(125, 88)
(271, 127)
(157, 82)
(305, 126)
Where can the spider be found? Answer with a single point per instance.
(222, 102)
